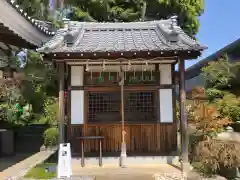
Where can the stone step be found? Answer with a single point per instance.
(130, 160)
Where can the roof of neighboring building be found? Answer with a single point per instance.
(85, 37)
(195, 69)
(19, 29)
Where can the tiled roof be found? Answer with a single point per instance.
(162, 35)
(38, 24)
(13, 18)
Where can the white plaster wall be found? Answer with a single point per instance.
(77, 96)
(166, 105)
(77, 74)
(165, 73)
(77, 107)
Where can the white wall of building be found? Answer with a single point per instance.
(77, 96)
(77, 75)
(77, 107)
(166, 105)
(165, 73)
(165, 95)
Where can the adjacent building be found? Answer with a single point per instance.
(193, 73)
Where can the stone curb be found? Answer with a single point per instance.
(23, 171)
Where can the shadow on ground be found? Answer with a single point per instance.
(8, 161)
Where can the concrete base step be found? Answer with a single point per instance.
(129, 161)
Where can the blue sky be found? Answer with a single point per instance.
(219, 25)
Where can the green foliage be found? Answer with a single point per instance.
(35, 8)
(229, 106)
(39, 81)
(57, 23)
(10, 94)
(50, 111)
(214, 94)
(127, 11)
(187, 11)
(51, 137)
(39, 172)
(123, 11)
(30, 90)
(221, 74)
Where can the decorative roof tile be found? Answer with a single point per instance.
(162, 35)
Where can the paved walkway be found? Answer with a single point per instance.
(133, 172)
(19, 169)
(94, 172)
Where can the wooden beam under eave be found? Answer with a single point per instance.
(65, 56)
(183, 118)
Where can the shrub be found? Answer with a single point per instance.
(205, 118)
(229, 106)
(51, 137)
(211, 154)
(50, 112)
(210, 122)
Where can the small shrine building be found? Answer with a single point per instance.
(120, 79)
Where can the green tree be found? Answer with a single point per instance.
(39, 81)
(135, 10)
(35, 8)
(221, 78)
(10, 95)
(124, 11)
(221, 74)
(187, 11)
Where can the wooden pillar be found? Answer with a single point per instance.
(123, 155)
(183, 118)
(68, 103)
(61, 71)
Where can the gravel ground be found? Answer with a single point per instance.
(162, 176)
(169, 176)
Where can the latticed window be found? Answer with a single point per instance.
(139, 106)
(106, 106)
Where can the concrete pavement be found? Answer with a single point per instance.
(21, 168)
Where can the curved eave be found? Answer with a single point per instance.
(16, 28)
